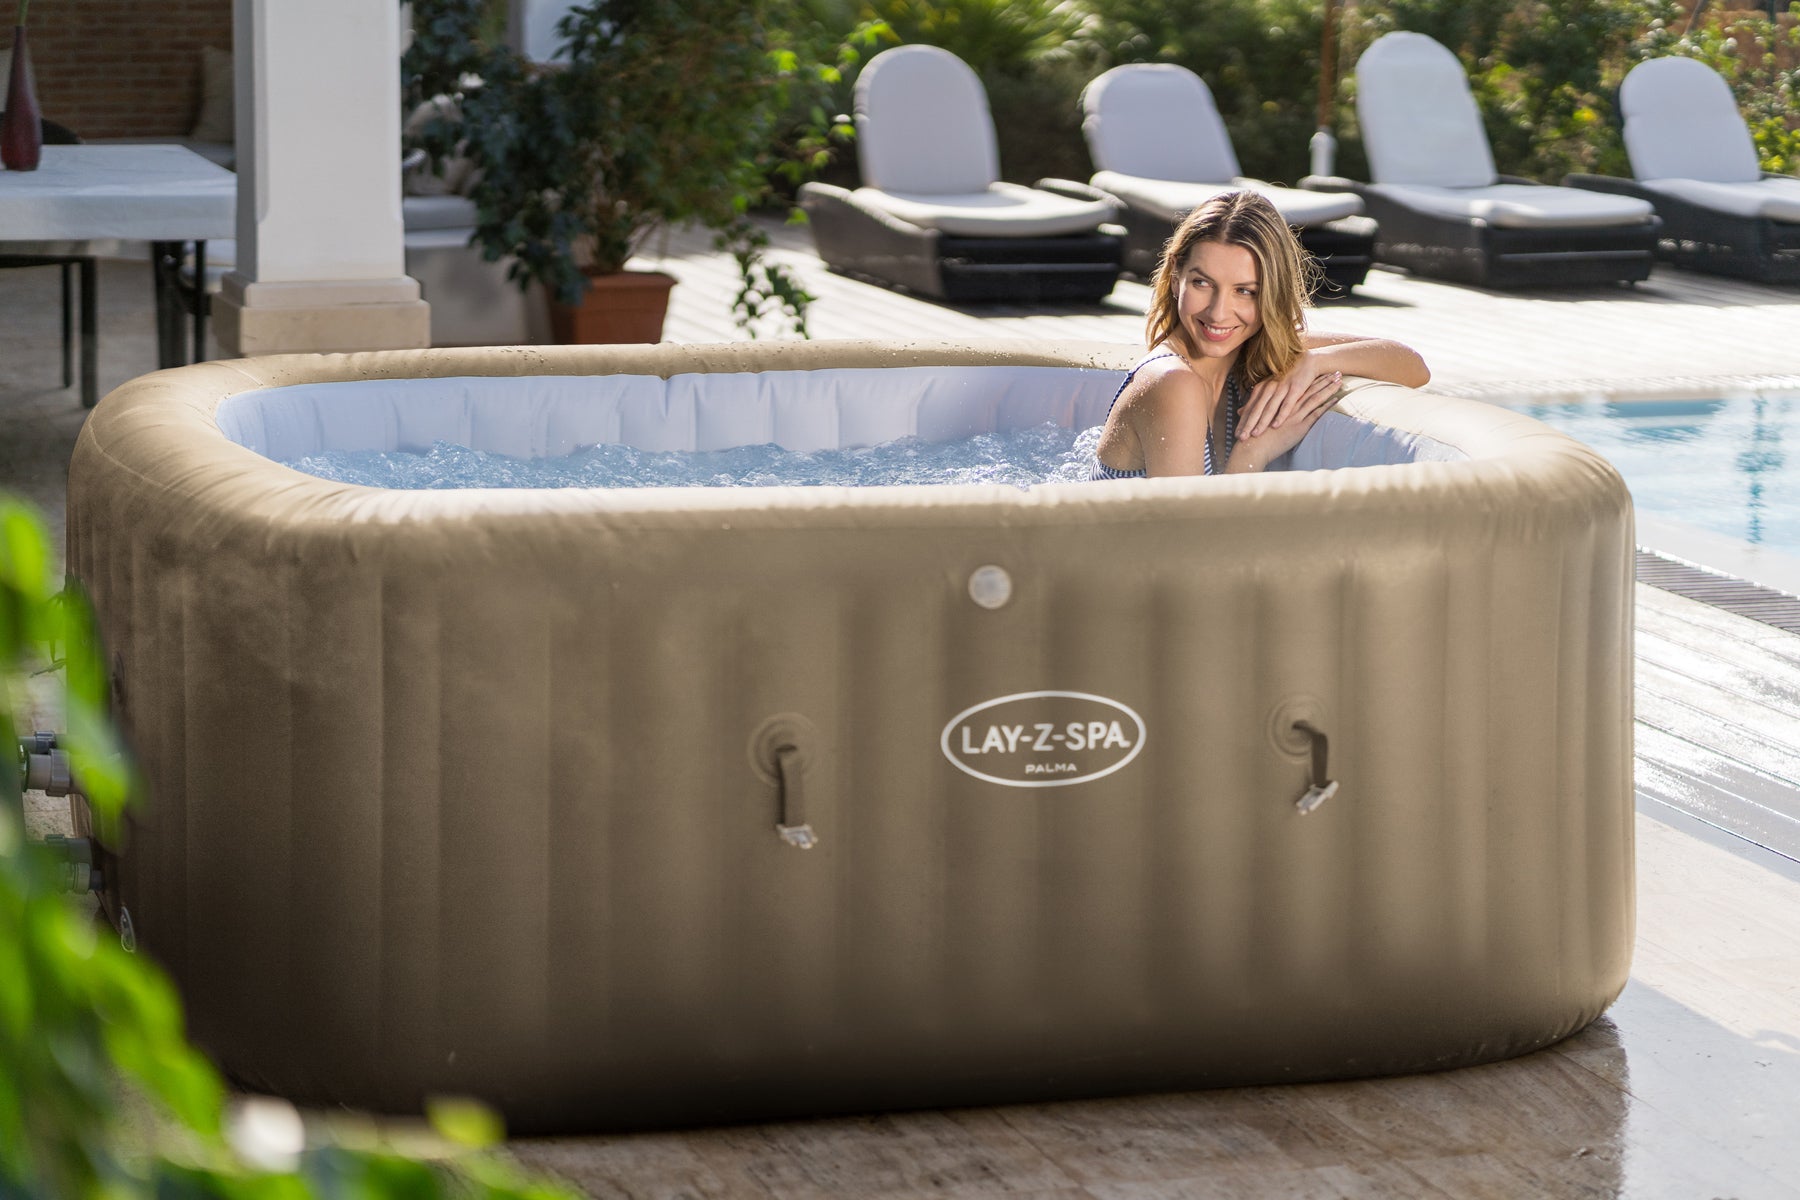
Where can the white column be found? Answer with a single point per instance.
(320, 256)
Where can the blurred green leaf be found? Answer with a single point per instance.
(463, 1121)
(26, 558)
(101, 1095)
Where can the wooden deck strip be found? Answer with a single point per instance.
(1775, 757)
(1771, 655)
(1695, 685)
(1718, 718)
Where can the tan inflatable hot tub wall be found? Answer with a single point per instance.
(454, 792)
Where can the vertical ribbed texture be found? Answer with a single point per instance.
(484, 819)
(407, 792)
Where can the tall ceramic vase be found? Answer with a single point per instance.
(22, 132)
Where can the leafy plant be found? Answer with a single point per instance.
(656, 112)
(101, 1096)
(995, 37)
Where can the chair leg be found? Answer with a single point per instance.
(90, 347)
(68, 325)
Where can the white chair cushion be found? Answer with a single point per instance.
(1777, 199)
(1419, 121)
(1000, 210)
(1681, 122)
(1171, 201)
(1521, 205)
(922, 124)
(1166, 199)
(437, 212)
(1300, 207)
(1156, 121)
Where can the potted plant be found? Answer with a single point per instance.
(654, 112)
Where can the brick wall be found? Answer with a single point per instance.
(120, 68)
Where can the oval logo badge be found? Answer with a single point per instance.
(1043, 739)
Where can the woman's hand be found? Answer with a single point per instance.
(1306, 390)
(1255, 451)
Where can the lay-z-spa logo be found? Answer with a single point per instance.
(1043, 739)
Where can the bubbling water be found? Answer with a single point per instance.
(1046, 453)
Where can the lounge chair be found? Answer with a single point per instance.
(932, 215)
(1693, 159)
(1129, 115)
(1444, 212)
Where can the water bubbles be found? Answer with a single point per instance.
(1044, 453)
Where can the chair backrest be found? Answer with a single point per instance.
(1681, 122)
(1157, 121)
(1419, 120)
(922, 124)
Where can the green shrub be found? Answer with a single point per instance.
(1259, 57)
(997, 38)
(1037, 119)
(101, 1096)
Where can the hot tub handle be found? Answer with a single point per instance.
(792, 826)
(1322, 788)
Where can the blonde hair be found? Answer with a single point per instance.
(1285, 274)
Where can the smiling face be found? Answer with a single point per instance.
(1218, 304)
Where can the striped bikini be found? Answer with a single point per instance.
(1233, 400)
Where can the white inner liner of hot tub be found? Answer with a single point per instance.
(542, 416)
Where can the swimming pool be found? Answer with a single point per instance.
(1704, 473)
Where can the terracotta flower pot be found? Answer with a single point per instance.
(624, 306)
(22, 130)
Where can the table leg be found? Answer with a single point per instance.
(68, 330)
(90, 339)
(201, 301)
(165, 264)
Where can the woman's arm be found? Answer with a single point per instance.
(1275, 402)
(1370, 358)
(1170, 419)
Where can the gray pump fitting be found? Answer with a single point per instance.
(78, 857)
(41, 742)
(49, 773)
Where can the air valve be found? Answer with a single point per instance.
(780, 752)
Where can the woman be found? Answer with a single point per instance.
(1233, 379)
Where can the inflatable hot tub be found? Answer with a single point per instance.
(633, 807)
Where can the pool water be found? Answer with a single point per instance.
(1730, 467)
(1045, 453)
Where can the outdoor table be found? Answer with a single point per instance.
(165, 195)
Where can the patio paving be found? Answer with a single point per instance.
(1686, 1088)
